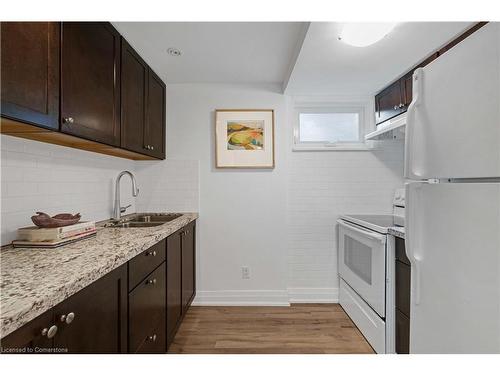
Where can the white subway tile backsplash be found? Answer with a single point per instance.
(43, 177)
(321, 187)
(38, 176)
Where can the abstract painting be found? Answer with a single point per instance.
(245, 135)
(244, 138)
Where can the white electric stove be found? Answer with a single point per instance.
(366, 270)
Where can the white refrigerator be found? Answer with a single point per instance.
(452, 167)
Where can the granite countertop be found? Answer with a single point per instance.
(33, 281)
(397, 231)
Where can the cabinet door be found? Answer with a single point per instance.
(154, 133)
(155, 342)
(99, 320)
(388, 102)
(33, 337)
(406, 90)
(188, 266)
(174, 282)
(134, 79)
(146, 308)
(90, 81)
(30, 72)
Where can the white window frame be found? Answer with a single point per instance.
(359, 108)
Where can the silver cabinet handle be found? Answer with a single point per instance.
(401, 105)
(395, 107)
(68, 318)
(68, 120)
(49, 332)
(152, 337)
(151, 281)
(153, 253)
(152, 148)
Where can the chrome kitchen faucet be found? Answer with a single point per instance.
(118, 210)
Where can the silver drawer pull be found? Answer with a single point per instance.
(152, 337)
(151, 281)
(153, 253)
(68, 318)
(49, 332)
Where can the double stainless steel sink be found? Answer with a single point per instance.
(143, 220)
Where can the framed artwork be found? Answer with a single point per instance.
(244, 138)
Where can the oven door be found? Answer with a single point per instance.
(362, 263)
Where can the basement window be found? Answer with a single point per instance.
(329, 128)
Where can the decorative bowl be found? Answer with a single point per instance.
(42, 220)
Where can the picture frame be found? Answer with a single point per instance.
(244, 138)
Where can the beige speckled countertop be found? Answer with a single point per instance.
(33, 281)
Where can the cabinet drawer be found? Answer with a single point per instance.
(402, 333)
(147, 307)
(401, 251)
(403, 273)
(155, 341)
(142, 265)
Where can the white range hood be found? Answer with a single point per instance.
(390, 129)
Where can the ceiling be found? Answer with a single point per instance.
(304, 58)
(326, 65)
(216, 52)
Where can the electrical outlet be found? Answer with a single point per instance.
(245, 272)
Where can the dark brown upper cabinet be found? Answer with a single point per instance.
(395, 98)
(30, 72)
(81, 85)
(389, 102)
(134, 89)
(90, 81)
(154, 132)
(142, 106)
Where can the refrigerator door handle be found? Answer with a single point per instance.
(410, 122)
(415, 258)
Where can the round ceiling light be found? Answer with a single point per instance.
(362, 34)
(174, 51)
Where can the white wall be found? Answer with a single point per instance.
(242, 212)
(39, 176)
(281, 222)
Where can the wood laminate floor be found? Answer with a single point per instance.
(300, 328)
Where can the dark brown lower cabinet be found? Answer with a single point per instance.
(147, 309)
(403, 288)
(94, 320)
(155, 342)
(99, 320)
(136, 308)
(188, 266)
(174, 285)
(32, 337)
(402, 333)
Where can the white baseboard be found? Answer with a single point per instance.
(313, 295)
(241, 298)
(266, 297)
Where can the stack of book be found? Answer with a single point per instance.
(54, 237)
